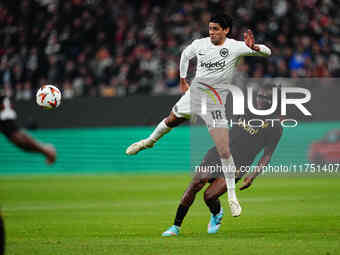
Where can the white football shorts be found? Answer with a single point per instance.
(205, 101)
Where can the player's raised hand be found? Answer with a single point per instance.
(246, 182)
(250, 41)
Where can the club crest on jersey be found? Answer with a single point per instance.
(224, 52)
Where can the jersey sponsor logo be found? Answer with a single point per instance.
(224, 52)
(213, 65)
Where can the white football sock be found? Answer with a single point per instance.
(159, 131)
(229, 170)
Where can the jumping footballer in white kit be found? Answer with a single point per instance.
(217, 57)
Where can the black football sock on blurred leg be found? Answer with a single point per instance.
(181, 212)
(214, 206)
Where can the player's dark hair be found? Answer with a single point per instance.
(223, 20)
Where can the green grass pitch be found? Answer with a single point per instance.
(111, 214)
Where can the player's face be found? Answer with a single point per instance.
(264, 99)
(217, 33)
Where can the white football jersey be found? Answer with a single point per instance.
(216, 63)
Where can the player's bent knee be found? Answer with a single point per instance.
(197, 184)
(217, 190)
(210, 196)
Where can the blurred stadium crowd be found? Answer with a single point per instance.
(118, 48)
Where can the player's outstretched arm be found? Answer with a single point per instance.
(248, 180)
(264, 161)
(252, 48)
(27, 143)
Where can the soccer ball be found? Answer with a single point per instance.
(48, 97)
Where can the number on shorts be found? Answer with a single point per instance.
(217, 115)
